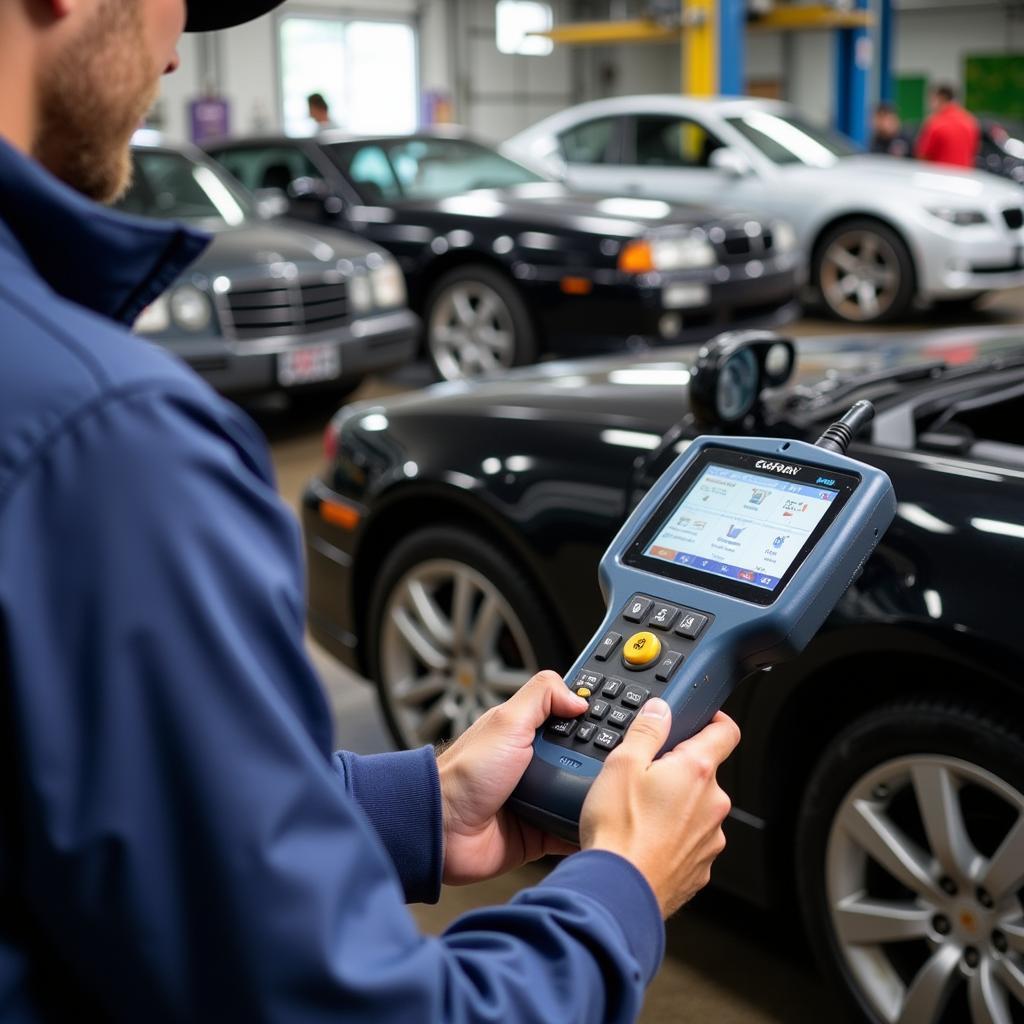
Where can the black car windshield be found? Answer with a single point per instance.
(389, 170)
(788, 139)
(170, 185)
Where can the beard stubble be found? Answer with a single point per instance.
(92, 100)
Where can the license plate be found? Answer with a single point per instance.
(308, 365)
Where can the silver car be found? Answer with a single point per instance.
(880, 234)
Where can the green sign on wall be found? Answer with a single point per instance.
(995, 85)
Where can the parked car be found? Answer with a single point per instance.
(504, 265)
(453, 542)
(269, 306)
(881, 234)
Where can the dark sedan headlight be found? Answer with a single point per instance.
(378, 286)
(185, 308)
(664, 255)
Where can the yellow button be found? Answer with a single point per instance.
(583, 692)
(641, 649)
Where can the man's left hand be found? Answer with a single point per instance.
(483, 838)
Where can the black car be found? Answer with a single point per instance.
(269, 307)
(453, 543)
(504, 265)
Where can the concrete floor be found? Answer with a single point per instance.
(725, 962)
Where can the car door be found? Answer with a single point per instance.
(590, 154)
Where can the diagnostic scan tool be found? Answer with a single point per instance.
(729, 564)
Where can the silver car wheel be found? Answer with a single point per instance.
(451, 648)
(471, 331)
(860, 275)
(916, 908)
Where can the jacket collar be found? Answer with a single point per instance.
(107, 261)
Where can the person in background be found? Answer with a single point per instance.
(320, 112)
(951, 135)
(887, 135)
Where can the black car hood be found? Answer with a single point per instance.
(260, 244)
(649, 390)
(550, 203)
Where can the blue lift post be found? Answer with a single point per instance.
(886, 51)
(853, 64)
(732, 31)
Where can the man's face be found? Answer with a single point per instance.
(97, 84)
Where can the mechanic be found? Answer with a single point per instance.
(177, 840)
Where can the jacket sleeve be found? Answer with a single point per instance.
(185, 848)
(925, 149)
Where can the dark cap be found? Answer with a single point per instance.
(209, 15)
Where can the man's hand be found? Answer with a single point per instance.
(478, 773)
(663, 816)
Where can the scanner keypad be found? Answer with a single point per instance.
(616, 687)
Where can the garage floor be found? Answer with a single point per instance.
(725, 963)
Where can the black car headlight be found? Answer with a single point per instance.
(190, 309)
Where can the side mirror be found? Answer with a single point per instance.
(733, 370)
(730, 162)
(308, 188)
(271, 203)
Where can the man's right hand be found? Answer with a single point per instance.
(664, 816)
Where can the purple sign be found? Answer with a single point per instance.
(210, 118)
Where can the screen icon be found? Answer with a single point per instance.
(778, 542)
(758, 497)
(746, 574)
(735, 531)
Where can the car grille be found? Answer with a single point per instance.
(737, 245)
(1014, 218)
(276, 307)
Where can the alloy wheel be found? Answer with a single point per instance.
(924, 877)
(471, 331)
(860, 275)
(451, 648)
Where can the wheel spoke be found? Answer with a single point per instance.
(463, 308)
(501, 680)
(867, 298)
(938, 799)
(422, 690)
(1013, 978)
(843, 259)
(986, 997)
(869, 249)
(438, 628)
(486, 628)
(421, 644)
(1014, 932)
(1005, 871)
(891, 848)
(486, 309)
(862, 921)
(429, 730)
(462, 608)
(930, 990)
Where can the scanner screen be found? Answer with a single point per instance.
(742, 526)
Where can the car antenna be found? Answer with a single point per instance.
(837, 437)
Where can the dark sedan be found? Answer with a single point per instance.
(453, 543)
(269, 306)
(504, 265)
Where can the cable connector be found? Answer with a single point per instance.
(837, 437)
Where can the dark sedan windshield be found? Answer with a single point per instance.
(787, 139)
(170, 185)
(389, 170)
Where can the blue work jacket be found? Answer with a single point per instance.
(178, 842)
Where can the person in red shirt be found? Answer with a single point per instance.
(951, 135)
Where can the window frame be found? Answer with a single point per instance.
(629, 141)
(616, 144)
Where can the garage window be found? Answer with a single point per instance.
(366, 70)
(515, 20)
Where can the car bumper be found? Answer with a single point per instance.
(329, 560)
(365, 345)
(959, 261)
(621, 311)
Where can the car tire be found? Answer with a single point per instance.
(863, 272)
(476, 322)
(437, 669)
(903, 916)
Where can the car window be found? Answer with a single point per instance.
(267, 166)
(786, 139)
(426, 168)
(171, 185)
(663, 140)
(373, 176)
(589, 143)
